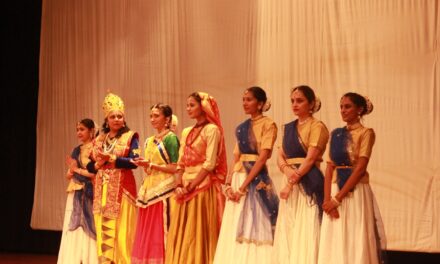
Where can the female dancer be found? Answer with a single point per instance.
(351, 229)
(78, 242)
(195, 222)
(250, 215)
(115, 189)
(161, 154)
(304, 141)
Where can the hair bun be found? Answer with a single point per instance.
(266, 106)
(370, 106)
(317, 104)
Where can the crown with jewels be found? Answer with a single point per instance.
(112, 102)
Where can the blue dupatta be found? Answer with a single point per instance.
(313, 181)
(82, 214)
(339, 154)
(260, 189)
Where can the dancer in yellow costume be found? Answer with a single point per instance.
(115, 188)
(195, 222)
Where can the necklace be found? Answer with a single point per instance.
(257, 118)
(304, 121)
(354, 126)
(202, 124)
(195, 132)
(162, 134)
(108, 146)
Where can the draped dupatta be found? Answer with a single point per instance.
(313, 181)
(210, 107)
(260, 189)
(340, 139)
(158, 185)
(82, 214)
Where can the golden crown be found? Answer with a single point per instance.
(112, 102)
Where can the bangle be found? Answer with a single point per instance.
(338, 203)
(226, 189)
(189, 189)
(112, 158)
(241, 192)
(283, 166)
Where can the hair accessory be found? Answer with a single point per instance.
(174, 122)
(369, 105)
(266, 106)
(317, 104)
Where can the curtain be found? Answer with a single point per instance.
(162, 50)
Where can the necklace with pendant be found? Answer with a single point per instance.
(109, 146)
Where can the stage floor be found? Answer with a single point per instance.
(15, 258)
(394, 257)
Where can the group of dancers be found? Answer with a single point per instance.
(191, 209)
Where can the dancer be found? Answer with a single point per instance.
(78, 241)
(195, 222)
(161, 154)
(251, 210)
(115, 189)
(352, 230)
(299, 218)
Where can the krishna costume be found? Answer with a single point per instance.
(115, 191)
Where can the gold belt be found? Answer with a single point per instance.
(292, 161)
(248, 157)
(364, 179)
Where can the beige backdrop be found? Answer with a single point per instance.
(161, 50)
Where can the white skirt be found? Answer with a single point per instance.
(76, 246)
(357, 236)
(228, 249)
(297, 230)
